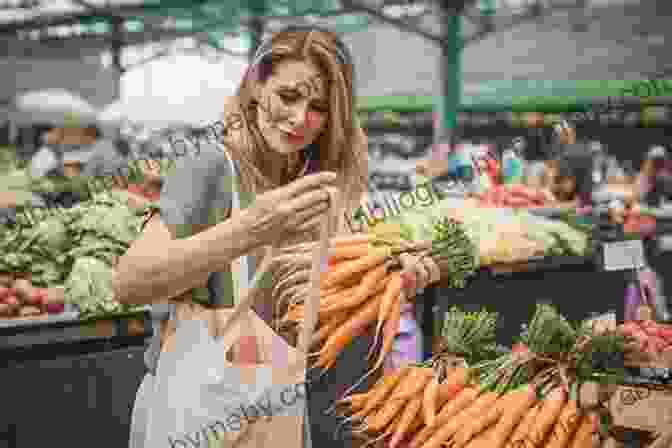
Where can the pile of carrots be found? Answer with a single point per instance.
(411, 408)
(359, 289)
(514, 195)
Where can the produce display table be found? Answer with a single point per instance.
(575, 286)
(71, 383)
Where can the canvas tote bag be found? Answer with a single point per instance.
(201, 399)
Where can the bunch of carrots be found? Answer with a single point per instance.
(365, 283)
(359, 288)
(411, 408)
(526, 398)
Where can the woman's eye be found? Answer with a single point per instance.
(320, 108)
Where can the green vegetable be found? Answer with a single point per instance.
(48, 243)
(89, 287)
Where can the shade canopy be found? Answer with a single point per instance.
(54, 106)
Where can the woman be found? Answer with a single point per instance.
(293, 114)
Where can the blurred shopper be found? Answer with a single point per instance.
(654, 181)
(606, 168)
(47, 158)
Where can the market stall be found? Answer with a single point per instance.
(60, 329)
(90, 367)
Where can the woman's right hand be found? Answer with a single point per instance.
(293, 209)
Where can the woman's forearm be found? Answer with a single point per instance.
(180, 265)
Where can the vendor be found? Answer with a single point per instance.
(543, 174)
(606, 168)
(571, 181)
(64, 152)
(292, 136)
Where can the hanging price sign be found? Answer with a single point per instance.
(623, 255)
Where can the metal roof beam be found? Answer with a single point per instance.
(359, 7)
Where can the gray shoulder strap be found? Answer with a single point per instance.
(236, 205)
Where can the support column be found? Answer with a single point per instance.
(116, 49)
(450, 90)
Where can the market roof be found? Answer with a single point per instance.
(137, 21)
(566, 56)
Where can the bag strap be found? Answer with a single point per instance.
(225, 319)
(242, 264)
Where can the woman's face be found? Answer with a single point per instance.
(293, 106)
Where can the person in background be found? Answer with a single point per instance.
(544, 174)
(654, 180)
(46, 160)
(77, 145)
(572, 182)
(606, 168)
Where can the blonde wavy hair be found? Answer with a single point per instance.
(343, 144)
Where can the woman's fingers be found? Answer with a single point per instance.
(308, 183)
(307, 201)
(310, 224)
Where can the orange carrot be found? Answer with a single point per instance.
(348, 331)
(390, 331)
(329, 327)
(516, 411)
(566, 426)
(463, 399)
(387, 385)
(548, 415)
(430, 401)
(412, 384)
(448, 430)
(411, 411)
(357, 295)
(349, 240)
(456, 381)
(336, 297)
(335, 267)
(374, 280)
(584, 434)
(485, 418)
(389, 432)
(520, 435)
(355, 402)
(385, 415)
(392, 294)
(351, 268)
(350, 252)
(482, 440)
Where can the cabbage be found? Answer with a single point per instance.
(89, 287)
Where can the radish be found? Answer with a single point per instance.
(665, 333)
(24, 290)
(35, 298)
(55, 307)
(657, 344)
(629, 328)
(13, 302)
